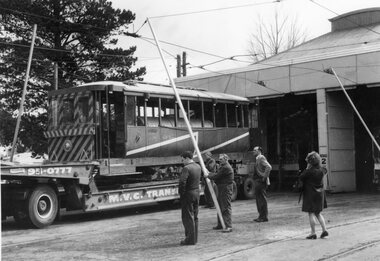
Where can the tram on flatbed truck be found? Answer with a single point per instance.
(114, 144)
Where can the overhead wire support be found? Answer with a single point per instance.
(332, 71)
(195, 144)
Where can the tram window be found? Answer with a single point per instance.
(82, 109)
(152, 112)
(111, 115)
(67, 111)
(131, 112)
(140, 111)
(208, 118)
(245, 115)
(231, 115)
(195, 115)
(185, 106)
(167, 107)
(168, 112)
(220, 115)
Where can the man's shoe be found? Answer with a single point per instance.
(261, 220)
(217, 228)
(324, 234)
(312, 236)
(186, 243)
(227, 230)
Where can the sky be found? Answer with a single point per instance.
(210, 30)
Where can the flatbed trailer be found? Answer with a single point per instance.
(34, 194)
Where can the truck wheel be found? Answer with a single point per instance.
(42, 206)
(234, 191)
(249, 188)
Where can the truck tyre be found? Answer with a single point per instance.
(42, 206)
(249, 188)
(234, 191)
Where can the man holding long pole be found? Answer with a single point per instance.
(205, 171)
(189, 194)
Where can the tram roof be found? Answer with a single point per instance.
(140, 88)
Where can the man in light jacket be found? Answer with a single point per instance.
(261, 178)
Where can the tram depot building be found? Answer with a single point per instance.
(301, 105)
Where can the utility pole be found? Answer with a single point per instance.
(184, 64)
(178, 65)
(181, 66)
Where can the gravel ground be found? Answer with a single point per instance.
(154, 232)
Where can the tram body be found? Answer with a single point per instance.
(114, 144)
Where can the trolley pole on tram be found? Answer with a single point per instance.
(178, 98)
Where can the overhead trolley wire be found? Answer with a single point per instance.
(261, 83)
(233, 57)
(187, 48)
(214, 10)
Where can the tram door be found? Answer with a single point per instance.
(110, 119)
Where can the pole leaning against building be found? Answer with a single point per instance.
(332, 71)
(205, 171)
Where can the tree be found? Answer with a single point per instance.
(275, 36)
(79, 36)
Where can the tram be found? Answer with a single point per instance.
(116, 144)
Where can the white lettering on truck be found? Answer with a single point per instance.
(141, 195)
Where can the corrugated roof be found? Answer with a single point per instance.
(331, 45)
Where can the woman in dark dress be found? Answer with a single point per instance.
(313, 193)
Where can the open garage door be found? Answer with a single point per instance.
(341, 143)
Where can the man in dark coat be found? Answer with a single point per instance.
(261, 178)
(189, 195)
(224, 180)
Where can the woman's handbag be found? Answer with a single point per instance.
(298, 186)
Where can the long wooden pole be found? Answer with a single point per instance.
(204, 169)
(21, 110)
(356, 111)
